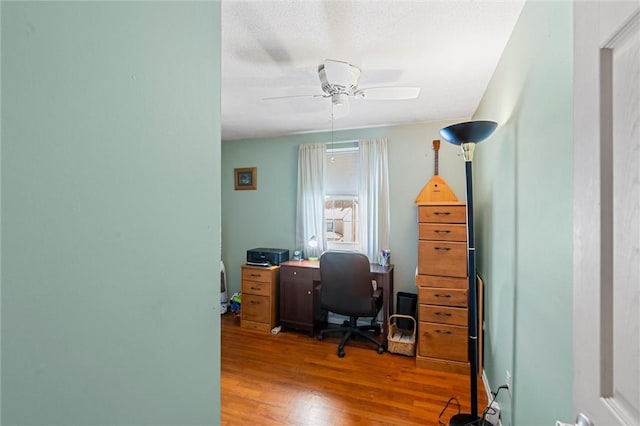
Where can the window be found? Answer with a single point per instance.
(341, 180)
(340, 217)
(348, 197)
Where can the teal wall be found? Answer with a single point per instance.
(110, 213)
(523, 189)
(266, 217)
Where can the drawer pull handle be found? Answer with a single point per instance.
(441, 231)
(255, 302)
(442, 213)
(443, 331)
(255, 288)
(309, 292)
(295, 273)
(442, 248)
(446, 296)
(443, 314)
(255, 275)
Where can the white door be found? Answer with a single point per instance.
(607, 212)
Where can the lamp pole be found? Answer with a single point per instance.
(467, 149)
(467, 135)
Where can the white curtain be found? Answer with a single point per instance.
(373, 218)
(310, 205)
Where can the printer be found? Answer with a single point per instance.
(267, 256)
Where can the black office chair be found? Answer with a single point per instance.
(346, 290)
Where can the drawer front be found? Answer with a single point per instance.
(256, 274)
(293, 273)
(256, 288)
(442, 258)
(443, 214)
(255, 308)
(444, 315)
(442, 232)
(442, 297)
(443, 341)
(442, 282)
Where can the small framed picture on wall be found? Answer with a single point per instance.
(245, 178)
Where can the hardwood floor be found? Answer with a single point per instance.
(293, 379)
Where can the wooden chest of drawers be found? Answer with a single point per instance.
(442, 283)
(259, 309)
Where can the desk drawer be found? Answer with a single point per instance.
(443, 341)
(256, 274)
(442, 232)
(444, 315)
(256, 288)
(447, 259)
(443, 214)
(442, 297)
(255, 308)
(296, 273)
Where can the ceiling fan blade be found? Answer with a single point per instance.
(388, 93)
(294, 96)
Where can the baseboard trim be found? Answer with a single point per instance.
(487, 389)
(333, 318)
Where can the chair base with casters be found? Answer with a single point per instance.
(351, 331)
(346, 289)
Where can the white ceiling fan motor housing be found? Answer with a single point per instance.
(338, 77)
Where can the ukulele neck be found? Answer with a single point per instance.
(436, 147)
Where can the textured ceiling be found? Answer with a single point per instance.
(273, 48)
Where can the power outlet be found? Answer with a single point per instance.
(493, 414)
(508, 381)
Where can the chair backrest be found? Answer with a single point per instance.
(346, 284)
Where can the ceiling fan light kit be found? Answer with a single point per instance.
(339, 99)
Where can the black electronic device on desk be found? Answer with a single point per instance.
(267, 256)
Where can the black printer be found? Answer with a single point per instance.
(267, 256)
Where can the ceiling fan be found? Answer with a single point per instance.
(339, 81)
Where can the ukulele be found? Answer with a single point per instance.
(436, 189)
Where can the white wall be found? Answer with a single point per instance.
(110, 213)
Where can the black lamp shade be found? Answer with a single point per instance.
(470, 131)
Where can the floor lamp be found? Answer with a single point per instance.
(467, 135)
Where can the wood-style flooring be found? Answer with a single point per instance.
(294, 379)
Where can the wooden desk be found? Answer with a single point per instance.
(300, 294)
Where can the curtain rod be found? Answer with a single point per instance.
(344, 142)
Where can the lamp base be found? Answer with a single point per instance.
(467, 419)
